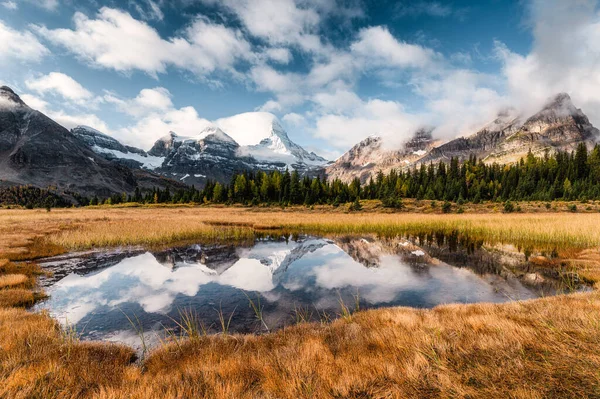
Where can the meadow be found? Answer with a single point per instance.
(540, 348)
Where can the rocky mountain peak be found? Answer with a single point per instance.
(214, 133)
(9, 98)
(162, 146)
(558, 126)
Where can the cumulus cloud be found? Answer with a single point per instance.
(116, 40)
(59, 83)
(280, 55)
(378, 46)
(19, 46)
(10, 5)
(294, 119)
(278, 22)
(147, 101)
(154, 117)
(387, 119)
(184, 121)
(67, 119)
(35, 102)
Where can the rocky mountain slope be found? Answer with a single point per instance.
(371, 155)
(213, 153)
(559, 125)
(35, 150)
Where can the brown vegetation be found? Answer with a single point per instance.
(533, 349)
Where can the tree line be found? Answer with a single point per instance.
(558, 176)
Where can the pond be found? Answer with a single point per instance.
(115, 294)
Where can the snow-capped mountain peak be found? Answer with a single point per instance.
(262, 136)
(250, 128)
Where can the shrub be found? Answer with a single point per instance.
(572, 208)
(392, 202)
(355, 206)
(509, 207)
(446, 207)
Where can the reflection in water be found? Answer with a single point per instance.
(96, 291)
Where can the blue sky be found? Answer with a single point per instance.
(334, 72)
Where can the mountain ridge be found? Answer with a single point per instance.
(212, 153)
(559, 125)
(35, 150)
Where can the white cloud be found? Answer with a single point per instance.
(149, 10)
(270, 106)
(35, 102)
(563, 58)
(294, 119)
(387, 119)
(117, 40)
(429, 8)
(269, 79)
(184, 121)
(68, 120)
(279, 22)
(20, 46)
(147, 101)
(10, 5)
(154, 117)
(379, 47)
(280, 55)
(72, 120)
(59, 83)
(50, 5)
(337, 102)
(340, 66)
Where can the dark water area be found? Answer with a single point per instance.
(114, 294)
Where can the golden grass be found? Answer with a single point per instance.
(87, 229)
(11, 280)
(16, 297)
(545, 348)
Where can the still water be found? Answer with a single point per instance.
(101, 293)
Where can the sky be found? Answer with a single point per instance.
(334, 72)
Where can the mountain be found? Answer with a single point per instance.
(370, 156)
(35, 150)
(113, 150)
(213, 153)
(559, 125)
(263, 138)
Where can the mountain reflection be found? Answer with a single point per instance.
(309, 272)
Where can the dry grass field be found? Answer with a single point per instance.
(544, 348)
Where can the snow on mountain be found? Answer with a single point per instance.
(112, 149)
(215, 152)
(261, 136)
(37, 151)
(166, 144)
